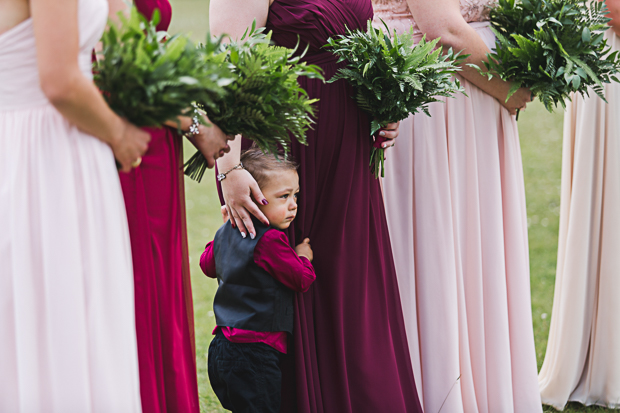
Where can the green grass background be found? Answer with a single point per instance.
(541, 146)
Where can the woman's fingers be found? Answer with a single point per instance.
(239, 222)
(244, 221)
(238, 188)
(247, 221)
(392, 126)
(259, 197)
(233, 223)
(389, 133)
(125, 167)
(390, 139)
(210, 161)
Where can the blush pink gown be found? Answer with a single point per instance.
(154, 198)
(455, 204)
(582, 362)
(67, 330)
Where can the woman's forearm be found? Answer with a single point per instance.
(233, 17)
(78, 100)
(442, 18)
(233, 157)
(67, 88)
(182, 122)
(477, 51)
(465, 39)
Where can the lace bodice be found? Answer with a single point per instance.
(397, 15)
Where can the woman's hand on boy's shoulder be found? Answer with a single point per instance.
(305, 250)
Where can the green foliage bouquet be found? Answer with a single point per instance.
(552, 47)
(393, 77)
(148, 77)
(265, 103)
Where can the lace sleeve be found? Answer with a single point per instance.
(476, 10)
(397, 15)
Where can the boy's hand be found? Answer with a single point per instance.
(304, 249)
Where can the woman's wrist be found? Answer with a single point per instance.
(233, 157)
(116, 132)
(182, 122)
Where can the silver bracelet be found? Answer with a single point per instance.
(222, 176)
(193, 128)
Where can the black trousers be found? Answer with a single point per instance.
(246, 377)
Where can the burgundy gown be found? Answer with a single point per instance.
(154, 199)
(350, 350)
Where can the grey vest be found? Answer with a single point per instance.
(248, 297)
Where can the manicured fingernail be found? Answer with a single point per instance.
(384, 145)
(232, 224)
(264, 202)
(252, 235)
(381, 133)
(243, 234)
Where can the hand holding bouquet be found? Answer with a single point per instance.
(150, 78)
(393, 77)
(552, 47)
(265, 103)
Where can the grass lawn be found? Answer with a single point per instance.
(541, 146)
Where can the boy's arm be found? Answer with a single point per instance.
(275, 255)
(207, 261)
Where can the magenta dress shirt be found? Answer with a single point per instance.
(273, 254)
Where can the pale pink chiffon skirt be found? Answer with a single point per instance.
(67, 330)
(582, 362)
(455, 203)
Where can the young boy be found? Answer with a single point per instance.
(253, 304)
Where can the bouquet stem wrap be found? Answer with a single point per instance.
(377, 152)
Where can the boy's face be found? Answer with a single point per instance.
(281, 193)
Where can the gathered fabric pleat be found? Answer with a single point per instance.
(582, 362)
(66, 288)
(455, 203)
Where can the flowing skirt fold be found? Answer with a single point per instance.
(455, 204)
(154, 198)
(350, 351)
(582, 362)
(66, 286)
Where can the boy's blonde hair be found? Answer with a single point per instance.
(259, 164)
